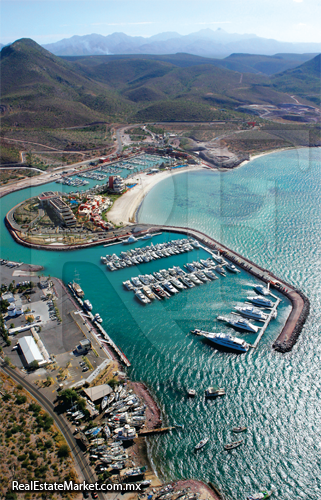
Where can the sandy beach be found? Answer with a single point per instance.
(125, 207)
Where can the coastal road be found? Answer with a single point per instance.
(77, 454)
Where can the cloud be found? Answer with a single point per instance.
(122, 24)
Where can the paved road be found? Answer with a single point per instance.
(60, 422)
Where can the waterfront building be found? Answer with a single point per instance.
(116, 183)
(60, 208)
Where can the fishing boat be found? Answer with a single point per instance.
(231, 446)
(262, 495)
(241, 428)
(201, 444)
(213, 392)
(191, 393)
(88, 305)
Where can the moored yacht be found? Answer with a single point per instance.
(194, 279)
(139, 294)
(224, 340)
(258, 300)
(169, 287)
(262, 289)
(88, 305)
(252, 312)
(230, 267)
(241, 324)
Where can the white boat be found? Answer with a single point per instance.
(131, 239)
(218, 258)
(201, 444)
(262, 289)
(146, 236)
(186, 281)
(136, 282)
(104, 403)
(209, 273)
(252, 312)
(195, 243)
(201, 276)
(128, 285)
(258, 300)
(169, 287)
(220, 270)
(230, 267)
(139, 294)
(243, 324)
(224, 340)
(148, 292)
(177, 284)
(194, 279)
(126, 433)
(88, 305)
(98, 318)
(103, 260)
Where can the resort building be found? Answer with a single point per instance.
(93, 208)
(116, 184)
(60, 208)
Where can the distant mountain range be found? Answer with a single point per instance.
(39, 89)
(206, 43)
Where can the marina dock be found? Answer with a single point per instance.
(107, 339)
(267, 321)
(151, 432)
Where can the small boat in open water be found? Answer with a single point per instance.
(260, 496)
(191, 393)
(213, 392)
(241, 428)
(231, 446)
(201, 444)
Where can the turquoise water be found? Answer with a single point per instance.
(269, 210)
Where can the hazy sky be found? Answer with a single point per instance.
(48, 21)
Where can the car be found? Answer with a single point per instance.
(85, 369)
(86, 494)
(94, 494)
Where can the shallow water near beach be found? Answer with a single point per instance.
(268, 210)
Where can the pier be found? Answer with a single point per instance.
(267, 321)
(108, 340)
(151, 432)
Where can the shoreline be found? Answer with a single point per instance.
(125, 208)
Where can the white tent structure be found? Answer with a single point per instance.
(30, 350)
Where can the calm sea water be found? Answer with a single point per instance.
(269, 210)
